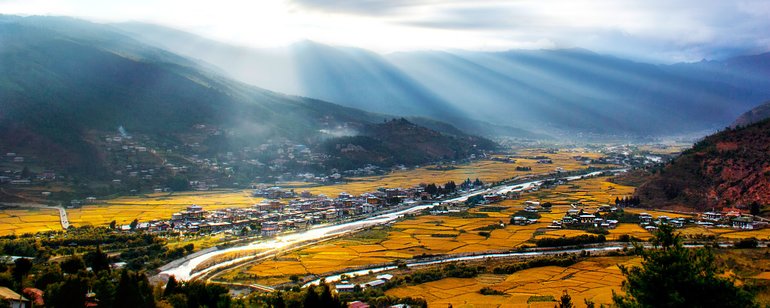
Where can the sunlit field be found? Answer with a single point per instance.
(593, 279)
(156, 206)
(123, 210)
(485, 170)
(432, 235)
(20, 221)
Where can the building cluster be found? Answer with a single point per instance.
(650, 223)
(276, 214)
(345, 286)
(578, 217)
(730, 218)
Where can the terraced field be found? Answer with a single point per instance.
(20, 221)
(441, 234)
(593, 279)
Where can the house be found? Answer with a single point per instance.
(35, 296)
(743, 223)
(645, 219)
(519, 220)
(12, 299)
(492, 198)
(711, 216)
(269, 228)
(532, 203)
(375, 283)
(385, 277)
(358, 304)
(346, 287)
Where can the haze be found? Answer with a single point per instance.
(655, 31)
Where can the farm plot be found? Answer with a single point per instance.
(21, 221)
(594, 279)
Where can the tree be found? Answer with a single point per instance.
(755, 208)
(133, 224)
(565, 301)
(431, 189)
(310, 298)
(171, 287)
(97, 260)
(72, 265)
(69, 293)
(674, 276)
(590, 303)
(133, 290)
(21, 268)
(112, 224)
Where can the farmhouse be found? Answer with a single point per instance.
(375, 283)
(344, 287)
(12, 299)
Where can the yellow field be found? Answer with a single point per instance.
(20, 221)
(443, 235)
(156, 206)
(593, 279)
(160, 206)
(485, 170)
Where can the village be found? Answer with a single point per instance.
(284, 210)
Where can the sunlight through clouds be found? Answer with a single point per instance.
(655, 30)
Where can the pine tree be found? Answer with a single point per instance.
(675, 276)
(565, 301)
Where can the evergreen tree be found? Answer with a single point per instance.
(73, 264)
(311, 299)
(21, 268)
(755, 208)
(675, 276)
(68, 293)
(171, 287)
(133, 291)
(97, 260)
(565, 301)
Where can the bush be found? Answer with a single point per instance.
(570, 241)
(747, 243)
(490, 291)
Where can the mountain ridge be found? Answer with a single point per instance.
(729, 168)
(64, 93)
(566, 92)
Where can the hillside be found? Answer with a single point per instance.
(82, 99)
(570, 92)
(752, 116)
(731, 167)
(400, 141)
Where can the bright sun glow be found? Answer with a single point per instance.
(655, 30)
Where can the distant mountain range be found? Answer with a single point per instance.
(560, 92)
(65, 84)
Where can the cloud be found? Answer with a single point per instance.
(659, 30)
(670, 30)
(365, 7)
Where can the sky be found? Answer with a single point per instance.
(663, 31)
